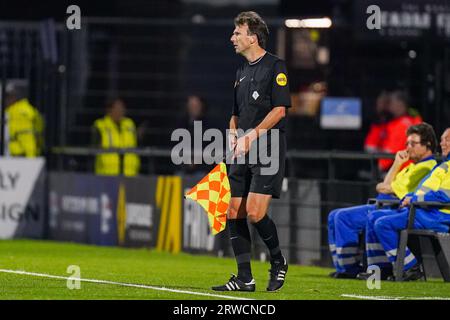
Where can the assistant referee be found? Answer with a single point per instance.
(261, 96)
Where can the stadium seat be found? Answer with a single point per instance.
(440, 243)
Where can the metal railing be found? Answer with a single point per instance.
(292, 155)
(330, 191)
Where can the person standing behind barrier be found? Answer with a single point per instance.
(345, 225)
(196, 111)
(377, 132)
(115, 130)
(396, 127)
(25, 125)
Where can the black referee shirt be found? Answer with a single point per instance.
(260, 86)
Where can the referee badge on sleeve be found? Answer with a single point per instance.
(281, 79)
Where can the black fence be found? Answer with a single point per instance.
(153, 64)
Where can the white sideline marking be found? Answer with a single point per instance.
(391, 298)
(123, 284)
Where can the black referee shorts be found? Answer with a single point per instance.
(245, 178)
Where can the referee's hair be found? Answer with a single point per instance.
(256, 26)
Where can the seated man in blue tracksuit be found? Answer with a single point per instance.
(385, 226)
(345, 225)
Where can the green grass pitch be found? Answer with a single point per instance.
(184, 272)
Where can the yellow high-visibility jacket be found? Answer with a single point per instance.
(408, 179)
(116, 136)
(25, 127)
(436, 186)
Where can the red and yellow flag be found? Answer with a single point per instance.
(213, 194)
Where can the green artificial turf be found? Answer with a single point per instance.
(193, 273)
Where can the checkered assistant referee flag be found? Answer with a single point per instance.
(213, 194)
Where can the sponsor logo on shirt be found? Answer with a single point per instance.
(281, 79)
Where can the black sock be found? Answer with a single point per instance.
(268, 233)
(241, 243)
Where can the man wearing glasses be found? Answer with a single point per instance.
(386, 224)
(345, 225)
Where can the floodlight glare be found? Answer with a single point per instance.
(308, 23)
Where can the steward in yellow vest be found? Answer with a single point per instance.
(344, 225)
(25, 129)
(115, 131)
(434, 187)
